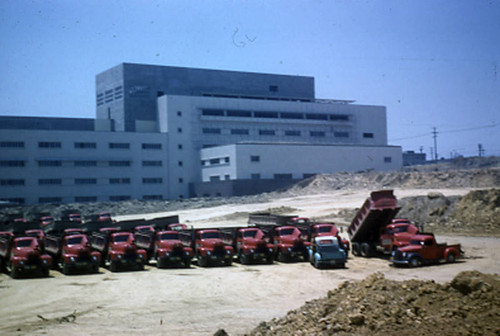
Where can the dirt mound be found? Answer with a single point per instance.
(465, 178)
(478, 212)
(468, 305)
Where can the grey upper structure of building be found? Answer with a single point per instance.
(166, 132)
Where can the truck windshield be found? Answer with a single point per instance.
(400, 229)
(121, 239)
(75, 241)
(210, 235)
(169, 236)
(323, 229)
(23, 243)
(416, 242)
(250, 234)
(286, 232)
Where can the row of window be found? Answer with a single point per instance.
(80, 163)
(274, 115)
(58, 181)
(268, 132)
(215, 161)
(109, 95)
(79, 145)
(84, 199)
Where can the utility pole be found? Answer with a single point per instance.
(434, 135)
(432, 152)
(481, 150)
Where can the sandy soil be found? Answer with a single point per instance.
(199, 301)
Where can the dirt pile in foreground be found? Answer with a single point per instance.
(468, 305)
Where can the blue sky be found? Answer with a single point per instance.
(432, 63)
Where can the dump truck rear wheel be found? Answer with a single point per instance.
(14, 273)
(451, 257)
(366, 250)
(355, 249)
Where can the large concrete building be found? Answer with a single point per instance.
(165, 133)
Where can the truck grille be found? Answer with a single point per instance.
(219, 250)
(33, 259)
(83, 257)
(130, 254)
(178, 251)
(261, 247)
(298, 245)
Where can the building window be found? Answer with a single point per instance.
(292, 133)
(226, 159)
(119, 198)
(239, 114)
(11, 144)
(179, 113)
(273, 88)
(239, 131)
(254, 158)
(85, 145)
(123, 180)
(49, 181)
(152, 163)
(214, 178)
(181, 180)
(85, 181)
(120, 163)
(179, 129)
(152, 197)
(317, 134)
(179, 146)
(266, 114)
(291, 115)
(316, 116)
(387, 159)
(208, 130)
(267, 132)
(341, 134)
(151, 146)
(48, 144)
(227, 177)
(12, 163)
(49, 163)
(81, 163)
(83, 199)
(255, 177)
(152, 180)
(119, 145)
(179, 163)
(212, 112)
(49, 200)
(282, 176)
(339, 117)
(14, 200)
(368, 135)
(214, 161)
(12, 182)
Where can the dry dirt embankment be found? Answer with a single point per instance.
(468, 305)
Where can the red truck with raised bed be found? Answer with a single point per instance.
(374, 230)
(164, 246)
(20, 255)
(118, 250)
(70, 249)
(423, 250)
(208, 246)
(249, 244)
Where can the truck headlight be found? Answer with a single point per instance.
(94, 257)
(119, 256)
(21, 263)
(44, 261)
(208, 253)
(404, 254)
(228, 252)
(289, 249)
(167, 254)
(187, 253)
(251, 251)
(72, 259)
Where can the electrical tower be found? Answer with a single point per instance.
(481, 150)
(434, 135)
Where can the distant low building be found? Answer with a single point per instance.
(410, 158)
(158, 126)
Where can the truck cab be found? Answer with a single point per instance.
(209, 247)
(289, 243)
(327, 250)
(123, 253)
(76, 254)
(168, 249)
(396, 235)
(328, 229)
(24, 255)
(251, 245)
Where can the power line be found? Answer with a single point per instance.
(449, 131)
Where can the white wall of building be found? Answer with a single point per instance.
(247, 161)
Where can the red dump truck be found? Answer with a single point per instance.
(164, 246)
(70, 249)
(208, 246)
(249, 244)
(118, 250)
(21, 255)
(372, 230)
(423, 249)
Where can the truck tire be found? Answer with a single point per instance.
(14, 273)
(228, 262)
(160, 263)
(316, 263)
(187, 262)
(202, 261)
(65, 268)
(140, 267)
(45, 271)
(451, 257)
(282, 257)
(414, 262)
(356, 250)
(244, 259)
(95, 268)
(113, 267)
(270, 259)
(366, 250)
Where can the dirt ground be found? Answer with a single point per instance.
(199, 301)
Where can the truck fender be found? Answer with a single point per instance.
(113, 255)
(451, 255)
(414, 255)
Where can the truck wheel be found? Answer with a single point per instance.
(202, 261)
(160, 263)
(244, 258)
(415, 262)
(451, 257)
(45, 271)
(187, 263)
(14, 273)
(65, 268)
(316, 263)
(113, 267)
(356, 251)
(281, 257)
(95, 268)
(270, 259)
(366, 250)
(229, 261)
(140, 267)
